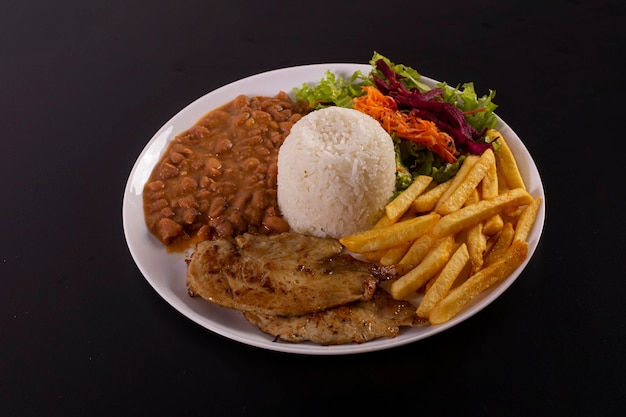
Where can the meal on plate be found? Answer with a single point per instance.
(347, 210)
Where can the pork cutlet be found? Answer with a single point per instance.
(287, 274)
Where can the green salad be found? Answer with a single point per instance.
(433, 129)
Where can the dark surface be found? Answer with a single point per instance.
(84, 86)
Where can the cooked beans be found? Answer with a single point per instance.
(218, 179)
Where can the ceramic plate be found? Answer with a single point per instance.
(166, 271)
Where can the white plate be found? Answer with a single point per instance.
(166, 271)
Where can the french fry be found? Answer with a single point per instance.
(512, 212)
(430, 282)
(417, 251)
(476, 245)
(460, 296)
(393, 255)
(386, 221)
(443, 282)
(491, 242)
(470, 215)
(526, 220)
(455, 200)
(374, 256)
(490, 182)
(434, 261)
(476, 240)
(463, 171)
(502, 243)
(502, 185)
(383, 221)
(428, 200)
(389, 236)
(472, 198)
(506, 163)
(493, 225)
(399, 205)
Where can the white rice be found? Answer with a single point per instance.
(336, 173)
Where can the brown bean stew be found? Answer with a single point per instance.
(218, 179)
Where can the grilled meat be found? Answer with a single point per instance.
(288, 274)
(358, 322)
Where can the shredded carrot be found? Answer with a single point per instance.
(404, 125)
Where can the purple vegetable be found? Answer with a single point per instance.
(430, 106)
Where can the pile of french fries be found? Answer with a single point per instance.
(451, 241)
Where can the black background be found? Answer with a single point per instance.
(85, 84)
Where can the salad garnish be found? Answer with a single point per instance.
(433, 129)
(405, 124)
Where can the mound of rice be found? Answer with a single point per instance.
(336, 173)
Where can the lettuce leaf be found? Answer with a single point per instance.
(479, 111)
(410, 77)
(332, 90)
(413, 160)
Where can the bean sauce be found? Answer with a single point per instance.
(218, 178)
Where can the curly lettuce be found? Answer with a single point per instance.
(478, 111)
(409, 76)
(332, 90)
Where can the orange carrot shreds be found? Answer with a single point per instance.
(404, 124)
(378, 106)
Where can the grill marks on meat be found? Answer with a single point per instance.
(288, 274)
(357, 322)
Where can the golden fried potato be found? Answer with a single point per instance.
(493, 225)
(386, 237)
(434, 261)
(475, 238)
(458, 179)
(505, 161)
(489, 186)
(399, 205)
(476, 245)
(470, 215)
(393, 255)
(457, 198)
(428, 200)
(477, 283)
(383, 221)
(501, 244)
(418, 250)
(443, 282)
(526, 219)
